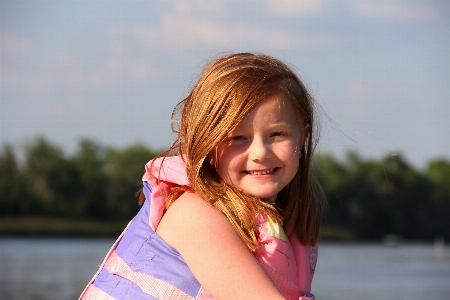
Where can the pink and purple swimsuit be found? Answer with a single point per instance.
(141, 265)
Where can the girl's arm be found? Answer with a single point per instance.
(213, 251)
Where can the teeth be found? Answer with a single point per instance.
(262, 172)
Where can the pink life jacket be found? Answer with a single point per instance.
(140, 265)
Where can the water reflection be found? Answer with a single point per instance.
(48, 268)
(372, 271)
(60, 269)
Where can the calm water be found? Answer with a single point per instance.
(60, 268)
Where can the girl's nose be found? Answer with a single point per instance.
(259, 150)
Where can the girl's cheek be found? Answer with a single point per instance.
(291, 152)
(235, 161)
(288, 148)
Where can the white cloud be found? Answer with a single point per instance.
(397, 10)
(14, 46)
(120, 66)
(186, 25)
(183, 27)
(23, 80)
(24, 68)
(19, 68)
(357, 91)
(54, 108)
(292, 8)
(144, 36)
(215, 8)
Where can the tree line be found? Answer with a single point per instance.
(367, 198)
(94, 183)
(371, 199)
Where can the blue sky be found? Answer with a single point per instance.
(113, 70)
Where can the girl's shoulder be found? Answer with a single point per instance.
(190, 216)
(190, 208)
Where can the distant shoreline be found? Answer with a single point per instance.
(53, 227)
(59, 227)
(39, 226)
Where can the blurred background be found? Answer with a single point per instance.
(86, 94)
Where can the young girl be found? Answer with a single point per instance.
(235, 214)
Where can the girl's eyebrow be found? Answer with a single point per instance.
(280, 123)
(270, 126)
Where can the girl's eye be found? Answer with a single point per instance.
(278, 134)
(238, 138)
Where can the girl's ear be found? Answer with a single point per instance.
(305, 133)
(210, 159)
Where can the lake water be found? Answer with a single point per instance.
(60, 268)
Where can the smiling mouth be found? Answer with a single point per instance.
(265, 172)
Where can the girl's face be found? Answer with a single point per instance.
(261, 155)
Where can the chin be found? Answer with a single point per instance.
(269, 198)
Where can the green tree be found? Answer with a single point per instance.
(91, 194)
(14, 199)
(438, 172)
(53, 178)
(331, 174)
(125, 169)
(402, 196)
(371, 198)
